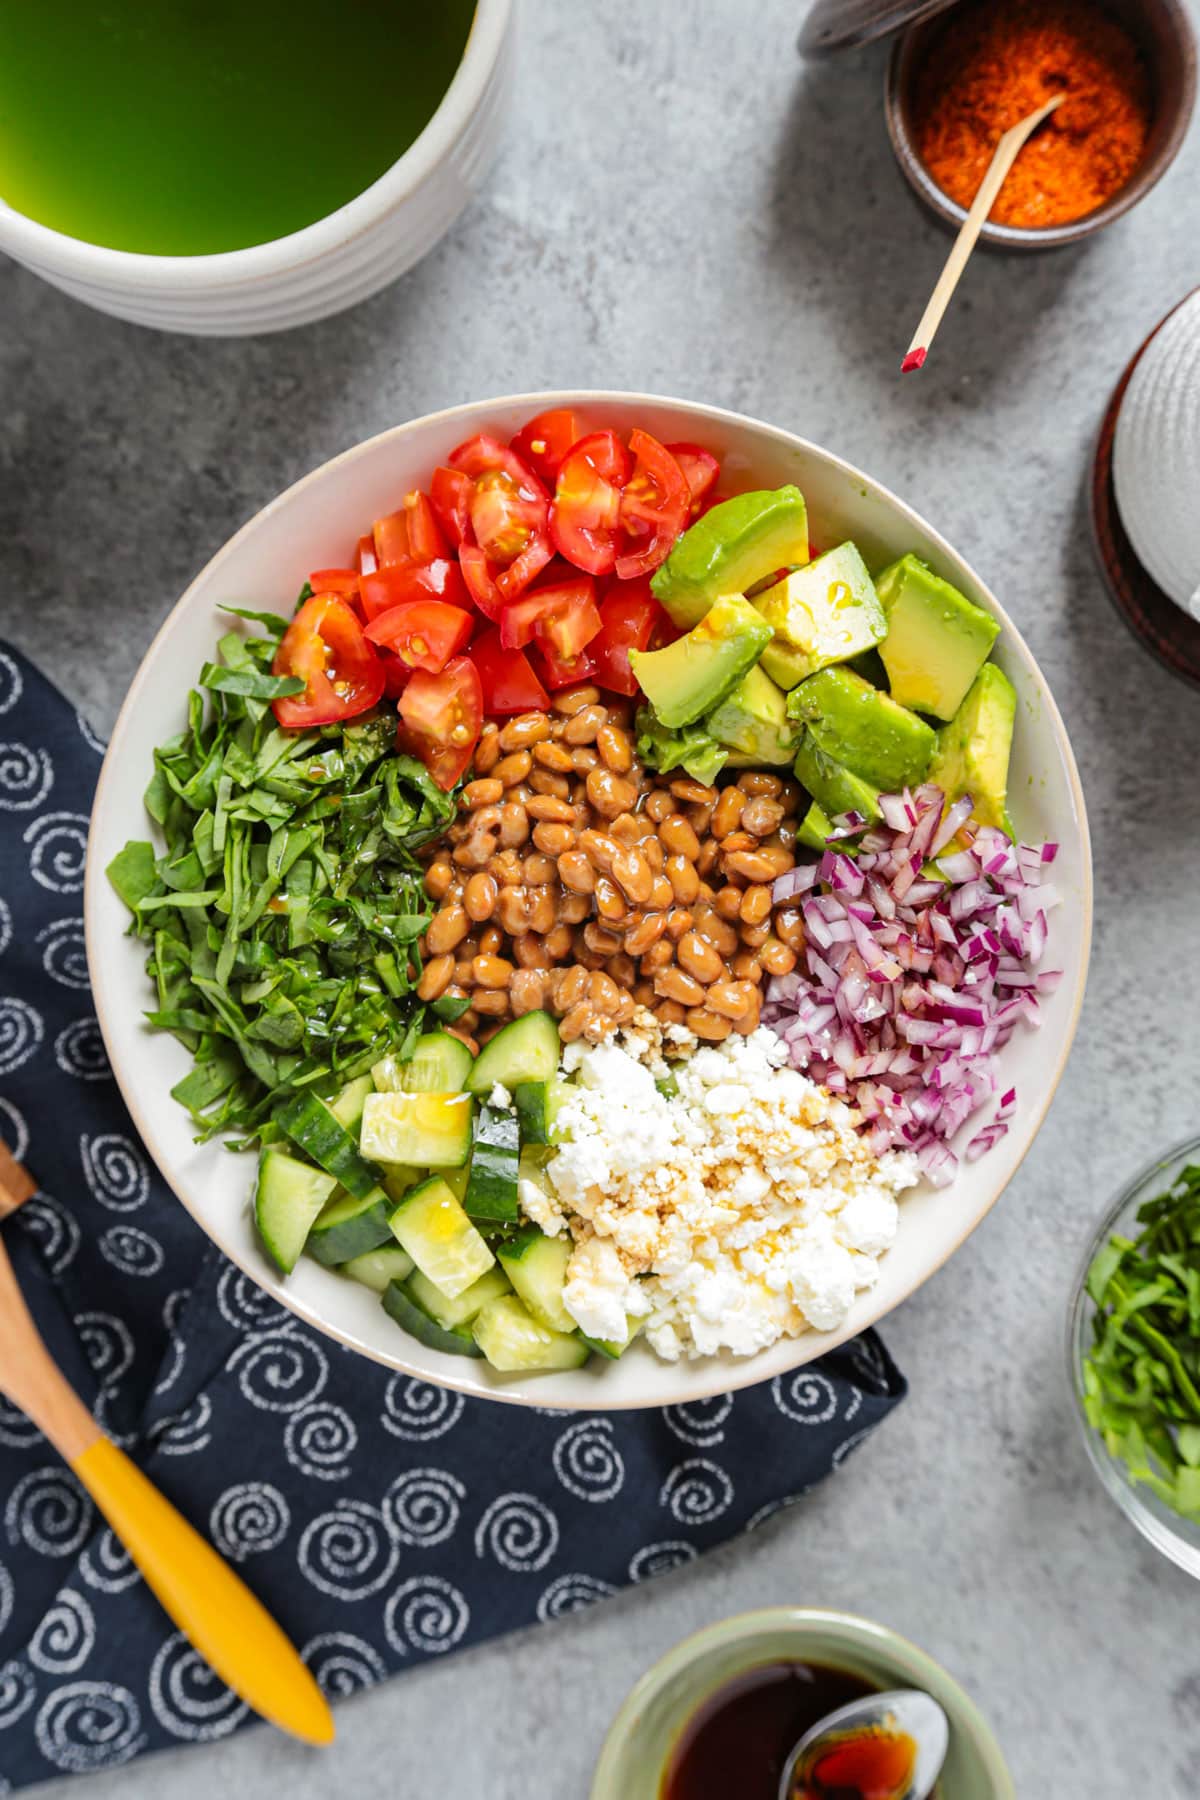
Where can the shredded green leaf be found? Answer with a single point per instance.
(1141, 1377)
(284, 900)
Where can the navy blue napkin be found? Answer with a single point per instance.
(382, 1520)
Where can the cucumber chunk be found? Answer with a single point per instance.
(347, 1109)
(452, 1315)
(347, 1227)
(538, 1106)
(492, 1187)
(537, 1267)
(287, 1198)
(611, 1347)
(440, 1064)
(526, 1050)
(431, 1131)
(419, 1325)
(513, 1342)
(378, 1267)
(431, 1225)
(310, 1124)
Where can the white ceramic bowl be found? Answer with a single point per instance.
(315, 524)
(325, 268)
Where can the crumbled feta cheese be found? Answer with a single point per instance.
(744, 1209)
(500, 1096)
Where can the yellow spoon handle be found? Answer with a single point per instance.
(209, 1603)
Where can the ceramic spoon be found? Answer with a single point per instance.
(204, 1597)
(903, 1710)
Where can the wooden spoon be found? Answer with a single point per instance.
(209, 1603)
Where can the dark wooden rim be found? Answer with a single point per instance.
(1153, 617)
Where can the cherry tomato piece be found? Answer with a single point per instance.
(543, 443)
(565, 617)
(411, 535)
(395, 676)
(368, 562)
(450, 496)
(438, 580)
(506, 516)
(479, 578)
(700, 470)
(342, 582)
(509, 682)
(586, 510)
(654, 507)
(325, 647)
(425, 634)
(441, 716)
(630, 619)
(561, 671)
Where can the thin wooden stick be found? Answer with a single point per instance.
(1007, 151)
(16, 1183)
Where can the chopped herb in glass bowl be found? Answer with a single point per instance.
(1135, 1353)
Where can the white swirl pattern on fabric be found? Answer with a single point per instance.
(64, 953)
(131, 1250)
(587, 1461)
(570, 1594)
(18, 1691)
(18, 1132)
(65, 1637)
(107, 1566)
(89, 1725)
(697, 1491)
(17, 1430)
(348, 1552)
(187, 1432)
(520, 1531)
(6, 1597)
(417, 1411)
(26, 777)
(342, 1664)
(21, 1033)
(805, 1396)
(49, 1512)
(108, 1345)
(55, 1231)
(427, 1614)
(660, 1559)
(6, 925)
(280, 1371)
(188, 1698)
(422, 1506)
(79, 1051)
(700, 1423)
(319, 1440)
(244, 1305)
(115, 1170)
(58, 851)
(248, 1519)
(12, 683)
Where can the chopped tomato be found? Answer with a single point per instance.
(425, 634)
(654, 506)
(562, 671)
(565, 616)
(509, 683)
(544, 442)
(368, 562)
(506, 515)
(324, 645)
(394, 586)
(630, 619)
(587, 502)
(411, 535)
(700, 470)
(450, 496)
(441, 718)
(395, 676)
(342, 582)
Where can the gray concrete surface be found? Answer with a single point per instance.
(683, 207)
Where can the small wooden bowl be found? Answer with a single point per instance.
(1163, 29)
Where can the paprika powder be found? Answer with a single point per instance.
(995, 61)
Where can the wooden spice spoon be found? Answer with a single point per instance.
(1007, 151)
(209, 1603)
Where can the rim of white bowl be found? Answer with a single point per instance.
(76, 259)
(714, 1375)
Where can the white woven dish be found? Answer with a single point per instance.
(1156, 457)
(315, 524)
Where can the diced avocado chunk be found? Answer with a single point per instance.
(692, 749)
(937, 640)
(863, 728)
(825, 613)
(737, 543)
(752, 719)
(973, 749)
(815, 828)
(786, 667)
(834, 788)
(686, 679)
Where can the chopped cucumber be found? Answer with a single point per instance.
(526, 1050)
(347, 1109)
(419, 1325)
(431, 1225)
(492, 1188)
(347, 1227)
(440, 1064)
(514, 1342)
(287, 1198)
(310, 1124)
(610, 1347)
(454, 1314)
(537, 1267)
(378, 1267)
(538, 1106)
(432, 1131)
(398, 1178)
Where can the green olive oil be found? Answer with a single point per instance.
(182, 127)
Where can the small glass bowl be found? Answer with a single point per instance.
(1176, 1537)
